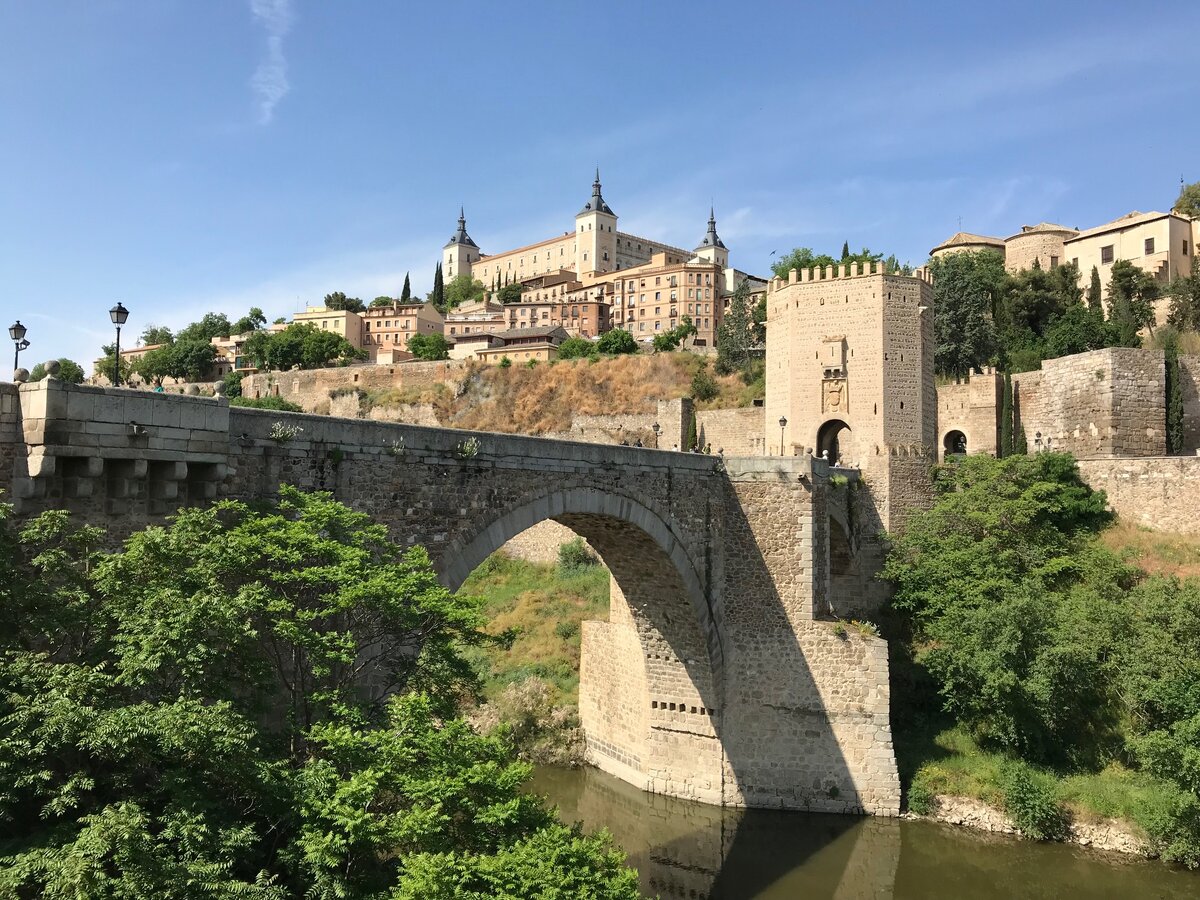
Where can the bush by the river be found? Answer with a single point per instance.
(1019, 626)
(256, 702)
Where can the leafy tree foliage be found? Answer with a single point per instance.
(1185, 298)
(462, 289)
(1188, 202)
(577, 348)
(256, 703)
(300, 344)
(967, 290)
(231, 384)
(210, 326)
(252, 321)
(704, 386)
(510, 293)
(429, 346)
(268, 402)
(803, 258)
(616, 341)
(157, 334)
(1131, 295)
(382, 301)
(105, 365)
(737, 333)
(68, 370)
(672, 338)
(338, 300)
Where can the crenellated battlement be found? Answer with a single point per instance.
(841, 272)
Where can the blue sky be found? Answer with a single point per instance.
(183, 156)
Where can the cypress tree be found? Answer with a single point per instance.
(1174, 392)
(439, 291)
(1006, 419)
(406, 292)
(1093, 293)
(1021, 443)
(845, 250)
(692, 436)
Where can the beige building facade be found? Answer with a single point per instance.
(386, 330)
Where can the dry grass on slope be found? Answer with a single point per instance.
(1158, 552)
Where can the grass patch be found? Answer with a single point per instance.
(1158, 552)
(541, 606)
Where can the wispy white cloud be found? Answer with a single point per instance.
(270, 81)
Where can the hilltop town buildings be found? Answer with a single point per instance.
(1162, 244)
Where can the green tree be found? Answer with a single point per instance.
(1131, 296)
(256, 703)
(437, 296)
(845, 250)
(577, 348)
(231, 384)
(68, 370)
(510, 293)
(406, 291)
(672, 338)
(1006, 417)
(462, 289)
(382, 301)
(338, 300)
(616, 342)
(692, 440)
(429, 346)
(1184, 292)
(1079, 329)
(154, 366)
(967, 289)
(1014, 608)
(210, 326)
(1095, 294)
(300, 344)
(157, 334)
(1188, 202)
(803, 258)
(104, 365)
(704, 386)
(1174, 392)
(736, 333)
(252, 321)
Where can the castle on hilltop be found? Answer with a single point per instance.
(595, 277)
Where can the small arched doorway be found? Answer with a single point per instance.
(828, 437)
(954, 444)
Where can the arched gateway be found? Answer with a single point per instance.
(714, 677)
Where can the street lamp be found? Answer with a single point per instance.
(656, 428)
(782, 426)
(118, 314)
(16, 331)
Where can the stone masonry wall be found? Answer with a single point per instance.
(311, 389)
(1156, 492)
(971, 405)
(1103, 403)
(735, 432)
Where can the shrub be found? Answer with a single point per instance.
(232, 384)
(576, 348)
(276, 403)
(505, 362)
(617, 341)
(542, 732)
(1031, 804)
(575, 555)
(566, 630)
(920, 799)
(704, 386)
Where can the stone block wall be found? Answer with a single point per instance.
(735, 432)
(1103, 403)
(311, 389)
(1155, 492)
(540, 543)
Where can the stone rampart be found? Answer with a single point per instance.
(715, 677)
(735, 432)
(312, 389)
(1103, 403)
(971, 407)
(1156, 492)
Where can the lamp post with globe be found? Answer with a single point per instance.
(119, 314)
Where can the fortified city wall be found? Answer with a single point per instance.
(971, 406)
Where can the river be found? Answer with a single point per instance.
(690, 850)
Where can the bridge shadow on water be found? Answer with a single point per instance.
(686, 849)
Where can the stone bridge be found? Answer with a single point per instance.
(719, 675)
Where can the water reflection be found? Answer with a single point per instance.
(690, 850)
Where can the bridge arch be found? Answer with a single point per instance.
(608, 520)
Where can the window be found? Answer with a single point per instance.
(1106, 254)
(1075, 261)
(1054, 262)
(641, 326)
(658, 326)
(658, 278)
(658, 310)
(1149, 246)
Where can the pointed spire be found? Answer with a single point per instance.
(711, 239)
(596, 203)
(461, 236)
